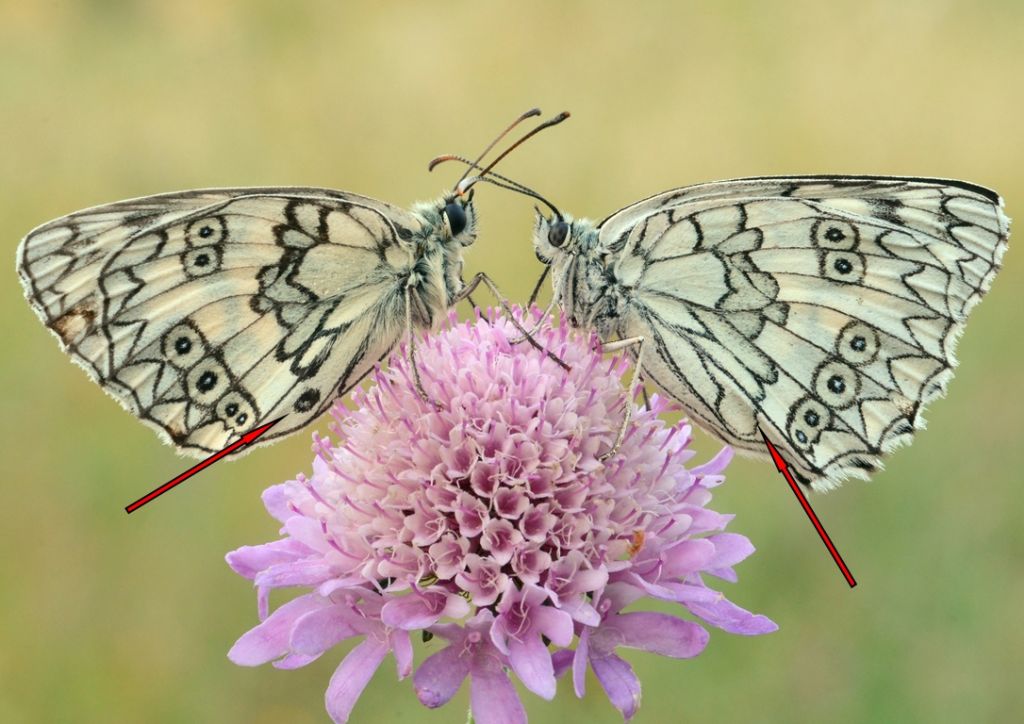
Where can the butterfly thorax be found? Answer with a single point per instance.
(584, 281)
(434, 276)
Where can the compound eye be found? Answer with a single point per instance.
(558, 233)
(456, 217)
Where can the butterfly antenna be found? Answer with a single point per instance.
(529, 114)
(524, 190)
(463, 186)
(492, 175)
(496, 179)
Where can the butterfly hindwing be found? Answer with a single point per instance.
(207, 313)
(822, 310)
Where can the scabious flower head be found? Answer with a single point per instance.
(490, 521)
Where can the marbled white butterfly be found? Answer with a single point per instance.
(207, 313)
(821, 310)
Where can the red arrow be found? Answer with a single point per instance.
(246, 439)
(783, 467)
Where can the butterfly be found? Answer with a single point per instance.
(208, 313)
(820, 311)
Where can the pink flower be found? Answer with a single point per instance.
(523, 620)
(493, 523)
(470, 653)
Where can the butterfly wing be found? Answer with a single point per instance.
(824, 311)
(207, 313)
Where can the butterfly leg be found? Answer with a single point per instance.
(537, 286)
(482, 278)
(543, 318)
(633, 380)
(417, 380)
(533, 299)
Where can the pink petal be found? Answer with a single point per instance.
(726, 574)
(448, 631)
(493, 699)
(730, 617)
(700, 594)
(658, 633)
(352, 676)
(269, 640)
(294, 661)
(297, 573)
(308, 531)
(580, 610)
(619, 683)
(249, 560)
(276, 500)
(401, 647)
(687, 557)
(620, 594)
(413, 611)
(319, 630)
(531, 661)
(715, 465)
(456, 606)
(665, 591)
(579, 664)
(556, 625)
(562, 661)
(439, 677)
(730, 549)
(589, 580)
(705, 520)
(262, 602)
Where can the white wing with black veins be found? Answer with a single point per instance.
(207, 313)
(824, 311)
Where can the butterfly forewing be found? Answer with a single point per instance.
(821, 310)
(207, 313)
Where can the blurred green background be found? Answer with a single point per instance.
(105, 617)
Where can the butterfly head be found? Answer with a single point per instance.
(456, 207)
(557, 237)
(457, 218)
